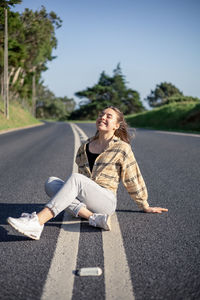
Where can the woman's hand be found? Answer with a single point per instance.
(158, 210)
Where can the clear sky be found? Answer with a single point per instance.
(154, 40)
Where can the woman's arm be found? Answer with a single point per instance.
(135, 185)
(78, 155)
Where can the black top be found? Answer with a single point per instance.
(91, 157)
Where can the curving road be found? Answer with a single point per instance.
(160, 252)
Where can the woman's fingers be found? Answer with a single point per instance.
(158, 210)
(161, 209)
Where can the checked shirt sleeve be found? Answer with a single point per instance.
(133, 180)
(79, 155)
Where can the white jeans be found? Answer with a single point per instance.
(77, 192)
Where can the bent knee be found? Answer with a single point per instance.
(77, 176)
(52, 185)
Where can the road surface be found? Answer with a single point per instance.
(146, 256)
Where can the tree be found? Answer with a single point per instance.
(40, 39)
(109, 90)
(161, 94)
(5, 4)
(31, 42)
(50, 106)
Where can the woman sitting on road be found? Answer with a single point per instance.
(103, 161)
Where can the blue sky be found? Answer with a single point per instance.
(154, 40)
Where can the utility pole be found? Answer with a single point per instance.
(33, 93)
(6, 87)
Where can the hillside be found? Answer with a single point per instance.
(18, 117)
(176, 116)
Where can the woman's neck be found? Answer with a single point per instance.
(104, 138)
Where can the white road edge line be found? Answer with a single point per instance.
(82, 135)
(118, 282)
(60, 280)
(178, 133)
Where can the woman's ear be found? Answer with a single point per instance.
(117, 126)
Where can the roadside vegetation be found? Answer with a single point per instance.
(19, 117)
(171, 110)
(175, 116)
(109, 90)
(31, 41)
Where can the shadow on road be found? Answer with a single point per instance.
(15, 210)
(129, 211)
(5, 236)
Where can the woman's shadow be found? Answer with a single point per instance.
(15, 210)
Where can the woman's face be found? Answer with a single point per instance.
(107, 121)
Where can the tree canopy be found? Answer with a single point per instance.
(109, 90)
(8, 3)
(48, 106)
(162, 93)
(31, 40)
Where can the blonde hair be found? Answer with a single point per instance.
(122, 131)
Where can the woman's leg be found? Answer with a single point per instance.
(46, 214)
(89, 194)
(99, 201)
(53, 185)
(96, 198)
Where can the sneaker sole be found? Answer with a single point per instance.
(33, 237)
(109, 223)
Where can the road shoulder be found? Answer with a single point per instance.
(19, 128)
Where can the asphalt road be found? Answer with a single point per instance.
(162, 250)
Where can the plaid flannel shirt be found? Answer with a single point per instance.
(116, 163)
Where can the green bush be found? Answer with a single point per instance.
(179, 98)
(175, 116)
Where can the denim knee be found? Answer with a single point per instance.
(77, 176)
(51, 187)
(47, 186)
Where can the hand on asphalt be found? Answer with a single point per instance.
(158, 210)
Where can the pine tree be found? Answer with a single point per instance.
(109, 90)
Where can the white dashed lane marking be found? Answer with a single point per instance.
(118, 283)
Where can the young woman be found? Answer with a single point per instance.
(103, 161)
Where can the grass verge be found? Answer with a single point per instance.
(18, 117)
(183, 117)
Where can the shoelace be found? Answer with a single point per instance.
(28, 216)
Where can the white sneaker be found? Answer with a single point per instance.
(100, 220)
(27, 224)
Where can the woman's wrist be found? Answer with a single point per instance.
(145, 206)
